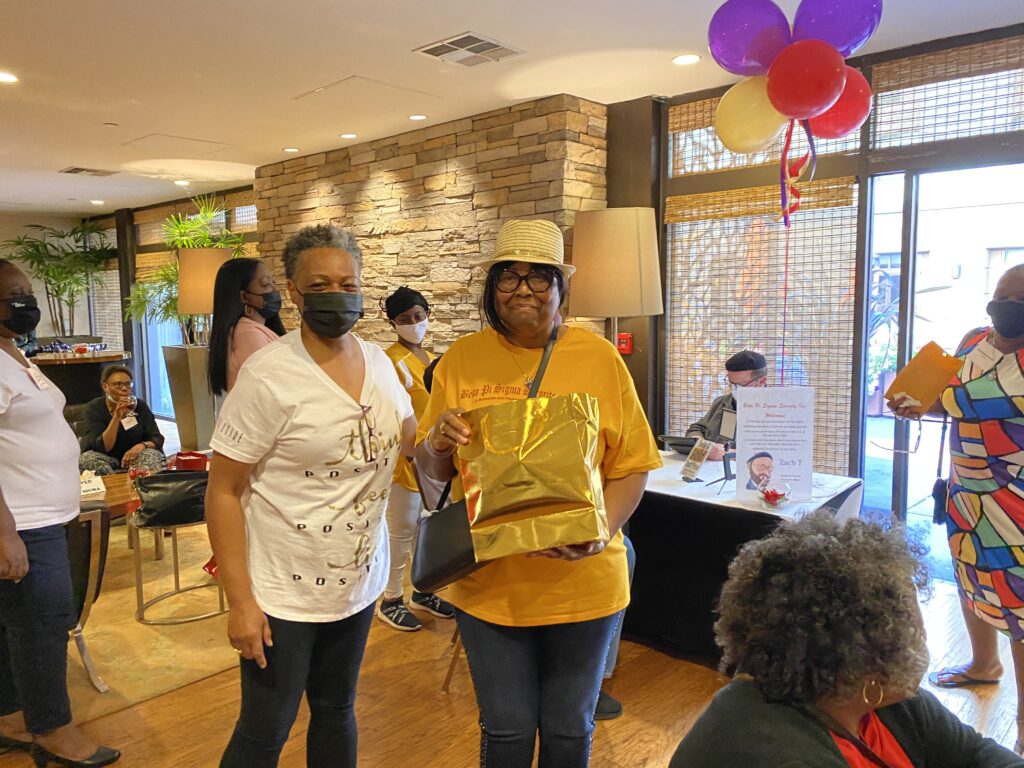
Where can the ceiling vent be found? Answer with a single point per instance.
(74, 170)
(468, 49)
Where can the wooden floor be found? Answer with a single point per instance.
(405, 720)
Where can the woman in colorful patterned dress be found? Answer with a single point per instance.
(985, 507)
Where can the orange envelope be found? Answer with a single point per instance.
(925, 376)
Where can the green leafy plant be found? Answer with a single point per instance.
(155, 299)
(65, 262)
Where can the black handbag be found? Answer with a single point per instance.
(444, 546)
(171, 498)
(940, 489)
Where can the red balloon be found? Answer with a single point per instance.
(806, 79)
(849, 113)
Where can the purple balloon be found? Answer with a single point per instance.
(745, 36)
(846, 24)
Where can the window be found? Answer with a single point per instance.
(694, 147)
(973, 90)
(727, 289)
(1000, 260)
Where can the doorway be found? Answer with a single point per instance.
(939, 242)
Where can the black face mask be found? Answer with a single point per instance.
(271, 304)
(331, 315)
(24, 314)
(1007, 318)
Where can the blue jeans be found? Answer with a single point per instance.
(35, 618)
(613, 646)
(530, 679)
(320, 660)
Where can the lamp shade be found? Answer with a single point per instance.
(618, 273)
(197, 271)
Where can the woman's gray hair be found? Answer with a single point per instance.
(818, 607)
(319, 236)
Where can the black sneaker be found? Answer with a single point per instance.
(431, 603)
(397, 616)
(608, 707)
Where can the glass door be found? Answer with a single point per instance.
(156, 336)
(964, 229)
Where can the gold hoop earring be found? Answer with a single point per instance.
(248, 310)
(881, 694)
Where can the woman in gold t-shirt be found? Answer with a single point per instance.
(536, 628)
(408, 313)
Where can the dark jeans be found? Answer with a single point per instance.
(613, 646)
(35, 618)
(320, 660)
(531, 679)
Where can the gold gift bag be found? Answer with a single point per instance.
(531, 477)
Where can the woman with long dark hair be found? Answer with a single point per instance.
(245, 318)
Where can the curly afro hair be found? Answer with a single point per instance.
(817, 608)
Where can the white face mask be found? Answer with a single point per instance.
(413, 333)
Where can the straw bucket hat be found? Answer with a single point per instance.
(534, 241)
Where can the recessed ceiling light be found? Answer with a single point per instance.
(7, 77)
(417, 117)
(290, 149)
(686, 59)
(96, 202)
(182, 182)
(349, 136)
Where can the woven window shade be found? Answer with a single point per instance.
(243, 219)
(148, 263)
(726, 292)
(694, 147)
(975, 90)
(149, 222)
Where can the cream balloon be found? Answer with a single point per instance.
(746, 121)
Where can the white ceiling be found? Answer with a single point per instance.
(205, 90)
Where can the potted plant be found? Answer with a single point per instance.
(65, 262)
(155, 300)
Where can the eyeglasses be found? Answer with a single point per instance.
(917, 443)
(368, 434)
(509, 281)
(121, 385)
(728, 383)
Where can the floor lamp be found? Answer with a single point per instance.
(618, 272)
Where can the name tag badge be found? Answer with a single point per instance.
(128, 422)
(38, 379)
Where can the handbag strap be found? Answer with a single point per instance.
(942, 444)
(548, 348)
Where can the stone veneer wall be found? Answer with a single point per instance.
(427, 205)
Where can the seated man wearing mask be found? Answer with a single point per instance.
(744, 369)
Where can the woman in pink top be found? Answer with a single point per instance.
(245, 319)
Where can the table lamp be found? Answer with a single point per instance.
(197, 271)
(618, 272)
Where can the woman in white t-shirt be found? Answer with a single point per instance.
(304, 452)
(39, 493)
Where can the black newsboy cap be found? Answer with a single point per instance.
(746, 361)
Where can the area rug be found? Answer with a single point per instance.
(137, 661)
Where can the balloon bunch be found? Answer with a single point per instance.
(790, 77)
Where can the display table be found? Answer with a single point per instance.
(686, 534)
(78, 376)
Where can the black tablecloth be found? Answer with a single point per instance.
(683, 551)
